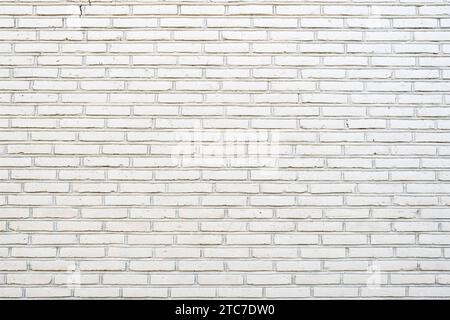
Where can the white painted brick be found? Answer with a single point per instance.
(295, 146)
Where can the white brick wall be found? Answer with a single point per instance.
(229, 149)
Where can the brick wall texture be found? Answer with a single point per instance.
(225, 149)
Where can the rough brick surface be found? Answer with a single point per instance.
(228, 149)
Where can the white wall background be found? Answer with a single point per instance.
(294, 149)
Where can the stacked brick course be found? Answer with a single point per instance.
(225, 149)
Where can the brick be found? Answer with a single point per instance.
(224, 150)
